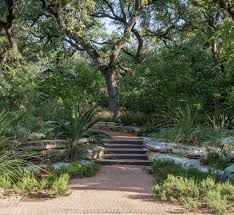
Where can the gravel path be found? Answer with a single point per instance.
(114, 190)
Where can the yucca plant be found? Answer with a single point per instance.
(10, 163)
(78, 126)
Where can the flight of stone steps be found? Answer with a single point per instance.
(124, 152)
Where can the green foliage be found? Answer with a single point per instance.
(11, 162)
(217, 160)
(131, 118)
(216, 202)
(191, 188)
(56, 184)
(161, 169)
(194, 136)
(79, 169)
(79, 124)
(29, 185)
(5, 183)
(60, 186)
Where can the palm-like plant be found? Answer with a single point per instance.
(10, 163)
(78, 126)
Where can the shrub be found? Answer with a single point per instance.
(80, 169)
(215, 201)
(133, 118)
(186, 187)
(216, 160)
(60, 186)
(193, 136)
(190, 204)
(161, 170)
(5, 182)
(29, 185)
(176, 189)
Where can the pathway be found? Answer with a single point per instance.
(117, 189)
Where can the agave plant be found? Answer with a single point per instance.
(78, 126)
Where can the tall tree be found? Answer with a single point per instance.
(70, 17)
(6, 28)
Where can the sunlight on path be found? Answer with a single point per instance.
(114, 190)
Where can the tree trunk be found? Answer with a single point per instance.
(112, 92)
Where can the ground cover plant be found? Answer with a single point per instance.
(47, 182)
(191, 188)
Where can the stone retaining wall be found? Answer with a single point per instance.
(117, 127)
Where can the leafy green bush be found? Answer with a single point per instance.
(192, 188)
(60, 186)
(161, 170)
(216, 160)
(79, 169)
(177, 189)
(215, 201)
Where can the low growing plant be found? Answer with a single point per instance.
(60, 186)
(192, 189)
(79, 169)
(217, 160)
(29, 185)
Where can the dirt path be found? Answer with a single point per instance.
(114, 190)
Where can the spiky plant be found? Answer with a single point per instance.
(10, 163)
(79, 125)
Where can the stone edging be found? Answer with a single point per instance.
(117, 127)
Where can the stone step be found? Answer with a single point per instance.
(125, 156)
(123, 146)
(125, 151)
(124, 162)
(134, 142)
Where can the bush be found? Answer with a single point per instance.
(187, 187)
(79, 169)
(215, 201)
(133, 118)
(5, 182)
(161, 170)
(29, 185)
(217, 160)
(176, 189)
(60, 186)
(193, 136)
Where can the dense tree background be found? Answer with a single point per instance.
(157, 54)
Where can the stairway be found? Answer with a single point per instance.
(124, 152)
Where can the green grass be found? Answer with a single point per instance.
(192, 188)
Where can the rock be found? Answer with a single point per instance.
(187, 163)
(39, 145)
(229, 141)
(158, 146)
(98, 152)
(36, 136)
(173, 148)
(117, 127)
(85, 140)
(95, 152)
(57, 155)
(59, 165)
